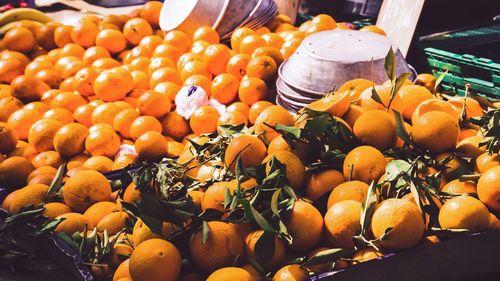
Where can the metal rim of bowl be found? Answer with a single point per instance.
(299, 88)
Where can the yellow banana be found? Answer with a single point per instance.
(23, 14)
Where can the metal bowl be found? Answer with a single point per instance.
(328, 59)
(236, 13)
(189, 15)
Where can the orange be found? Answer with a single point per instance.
(159, 62)
(67, 100)
(187, 57)
(459, 187)
(374, 29)
(72, 50)
(412, 96)
(151, 146)
(223, 247)
(231, 118)
(464, 212)
(83, 81)
(225, 88)
(252, 90)
(101, 164)
(8, 138)
(175, 125)
(263, 67)
(427, 80)
(110, 86)
(9, 105)
(436, 131)
(178, 39)
(69, 140)
(39, 106)
(472, 106)
(123, 161)
(238, 35)
(142, 232)
(239, 107)
(22, 120)
(230, 273)
(366, 254)
(144, 124)
(98, 211)
(19, 39)
(105, 63)
(29, 195)
(206, 33)
(237, 65)
(216, 57)
(384, 92)
(376, 128)
(292, 272)
(364, 163)
(122, 273)
(141, 80)
(199, 81)
(122, 121)
(140, 63)
(41, 134)
(279, 248)
(198, 47)
(251, 150)
(470, 147)
(195, 67)
(488, 188)
(10, 69)
(24, 150)
(155, 259)
(27, 88)
(289, 47)
(112, 40)
(466, 133)
(93, 53)
(336, 104)
(33, 67)
(405, 220)
(151, 12)
(46, 170)
(352, 114)
(269, 51)
(484, 162)
(84, 33)
(278, 144)
(164, 74)
(342, 222)
(272, 115)
(294, 167)
(305, 225)
(62, 35)
(250, 43)
(153, 104)
(47, 158)
(167, 51)
(55, 209)
(273, 40)
(325, 20)
(323, 182)
(256, 108)
(213, 197)
(84, 189)
(120, 252)
(135, 29)
(204, 120)
(105, 113)
(351, 190)
(102, 142)
(60, 114)
(434, 105)
(73, 222)
(113, 223)
(14, 171)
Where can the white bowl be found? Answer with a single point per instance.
(189, 15)
(328, 59)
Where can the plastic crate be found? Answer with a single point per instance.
(482, 74)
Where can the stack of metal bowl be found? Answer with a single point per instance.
(326, 60)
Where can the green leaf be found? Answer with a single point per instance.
(401, 129)
(257, 217)
(48, 226)
(367, 209)
(274, 202)
(228, 198)
(28, 214)
(264, 247)
(439, 80)
(386, 233)
(395, 88)
(56, 183)
(416, 197)
(205, 232)
(390, 64)
(229, 130)
(395, 168)
(290, 130)
(330, 255)
(376, 97)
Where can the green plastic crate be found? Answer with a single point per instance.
(482, 74)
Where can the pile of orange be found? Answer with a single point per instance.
(80, 94)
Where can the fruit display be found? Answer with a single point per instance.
(211, 179)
